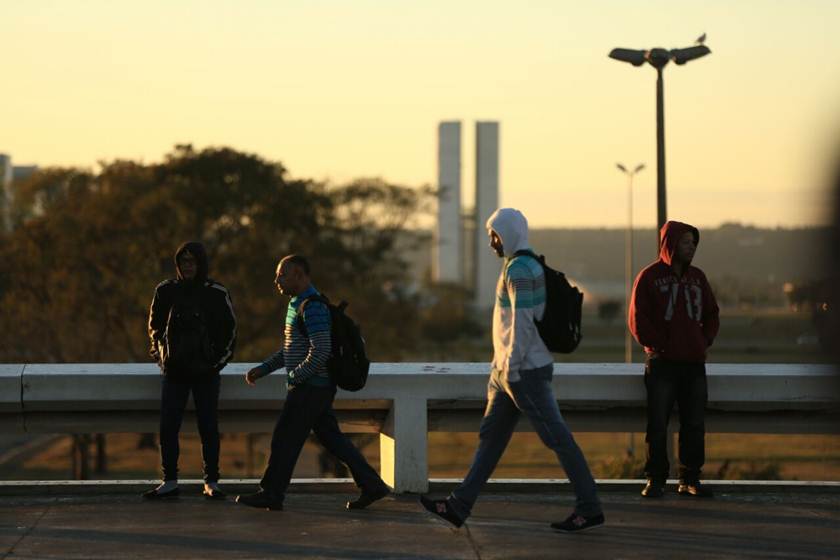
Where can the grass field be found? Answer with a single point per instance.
(729, 456)
(750, 336)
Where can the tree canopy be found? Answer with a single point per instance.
(78, 271)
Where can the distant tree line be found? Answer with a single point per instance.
(78, 270)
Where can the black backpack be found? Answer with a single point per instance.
(348, 365)
(187, 347)
(560, 325)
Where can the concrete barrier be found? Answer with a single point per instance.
(402, 402)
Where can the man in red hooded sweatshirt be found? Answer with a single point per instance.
(674, 315)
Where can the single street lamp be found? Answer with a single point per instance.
(628, 257)
(659, 58)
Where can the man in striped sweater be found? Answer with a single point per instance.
(520, 381)
(308, 407)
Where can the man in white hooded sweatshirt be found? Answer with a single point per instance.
(520, 381)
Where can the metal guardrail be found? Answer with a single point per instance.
(404, 401)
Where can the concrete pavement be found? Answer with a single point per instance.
(779, 523)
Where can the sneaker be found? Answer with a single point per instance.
(261, 500)
(654, 489)
(153, 494)
(441, 509)
(694, 489)
(576, 523)
(368, 498)
(212, 492)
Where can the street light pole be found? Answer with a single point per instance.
(628, 257)
(661, 198)
(658, 58)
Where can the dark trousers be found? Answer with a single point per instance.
(309, 408)
(173, 401)
(685, 384)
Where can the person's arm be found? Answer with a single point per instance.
(273, 363)
(158, 315)
(519, 283)
(711, 313)
(227, 327)
(640, 320)
(316, 319)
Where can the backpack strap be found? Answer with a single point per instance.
(524, 253)
(301, 324)
(528, 253)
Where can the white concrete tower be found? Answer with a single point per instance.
(6, 176)
(487, 264)
(448, 262)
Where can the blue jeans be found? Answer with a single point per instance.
(533, 395)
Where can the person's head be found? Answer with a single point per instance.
(188, 265)
(496, 243)
(507, 229)
(292, 275)
(678, 243)
(686, 246)
(191, 262)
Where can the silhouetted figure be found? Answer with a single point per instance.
(701, 39)
(306, 349)
(192, 329)
(674, 315)
(520, 381)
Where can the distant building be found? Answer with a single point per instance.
(8, 175)
(487, 265)
(6, 178)
(448, 261)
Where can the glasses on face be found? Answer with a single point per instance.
(187, 262)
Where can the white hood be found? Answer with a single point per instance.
(512, 226)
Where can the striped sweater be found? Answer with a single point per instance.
(304, 357)
(520, 300)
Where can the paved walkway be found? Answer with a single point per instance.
(776, 524)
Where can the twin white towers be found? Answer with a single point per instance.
(450, 264)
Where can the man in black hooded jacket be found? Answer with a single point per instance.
(192, 329)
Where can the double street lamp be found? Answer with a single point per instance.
(659, 58)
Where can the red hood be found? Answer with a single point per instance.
(668, 237)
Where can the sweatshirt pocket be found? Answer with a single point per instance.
(688, 344)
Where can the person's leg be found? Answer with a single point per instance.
(661, 394)
(206, 398)
(494, 434)
(173, 401)
(692, 397)
(333, 439)
(303, 406)
(535, 397)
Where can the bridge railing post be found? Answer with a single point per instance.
(403, 444)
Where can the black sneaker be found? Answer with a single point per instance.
(694, 489)
(261, 500)
(441, 509)
(576, 523)
(368, 498)
(654, 489)
(153, 494)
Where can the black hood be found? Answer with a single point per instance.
(197, 250)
